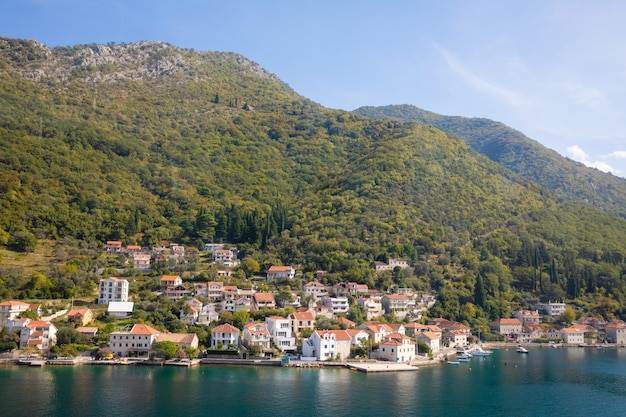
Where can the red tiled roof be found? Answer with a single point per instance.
(225, 328)
(143, 329)
(279, 269)
(264, 296)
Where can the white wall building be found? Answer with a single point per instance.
(112, 289)
(138, 341)
(281, 333)
(327, 344)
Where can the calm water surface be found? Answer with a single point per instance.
(547, 382)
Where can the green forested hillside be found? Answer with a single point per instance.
(522, 155)
(144, 142)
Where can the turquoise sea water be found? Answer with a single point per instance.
(547, 382)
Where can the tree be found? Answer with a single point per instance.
(165, 349)
(23, 242)
(255, 349)
(68, 335)
(8, 340)
(191, 352)
(250, 266)
(568, 316)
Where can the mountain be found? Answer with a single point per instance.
(522, 155)
(146, 141)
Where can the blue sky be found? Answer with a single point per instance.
(553, 69)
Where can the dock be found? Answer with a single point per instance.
(377, 367)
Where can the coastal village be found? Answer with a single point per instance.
(272, 318)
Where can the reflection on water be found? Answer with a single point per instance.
(555, 382)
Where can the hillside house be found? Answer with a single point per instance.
(275, 273)
(112, 289)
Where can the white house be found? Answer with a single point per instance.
(616, 332)
(120, 309)
(141, 261)
(281, 333)
(137, 342)
(572, 335)
(256, 334)
(225, 336)
(397, 348)
(10, 310)
(37, 333)
(280, 272)
(169, 281)
(554, 310)
(112, 289)
(315, 289)
(339, 305)
(327, 344)
(432, 340)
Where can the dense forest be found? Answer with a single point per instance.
(522, 155)
(145, 142)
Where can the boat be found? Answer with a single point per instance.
(463, 357)
(521, 349)
(454, 363)
(480, 352)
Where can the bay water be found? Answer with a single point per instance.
(546, 382)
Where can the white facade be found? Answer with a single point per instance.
(397, 348)
(138, 340)
(9, 310)
(280, 332)
(327, 344)
(280, 272)
(315, 289)
(225, 335)
(337, 304)
(112, 289)
(38, 334)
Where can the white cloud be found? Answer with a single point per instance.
(617, 154)
(578, 154)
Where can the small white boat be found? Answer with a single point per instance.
(521, 349)
(454, 363)
(480, 352)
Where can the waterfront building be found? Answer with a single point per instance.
(39, 334)
(327, 344)
(431, 339)
(136, 342)
(256, 334)
(572, 335)
(225, 336)
(281, 333)
(509, 328)
(616, 332)
(183, 340)
(397, 348)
